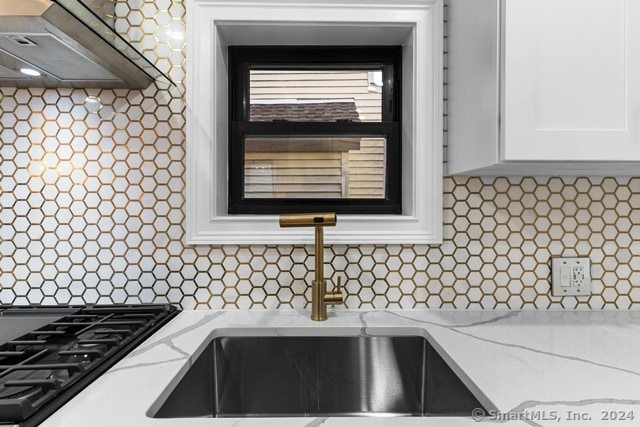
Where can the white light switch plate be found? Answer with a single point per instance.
(570, 277)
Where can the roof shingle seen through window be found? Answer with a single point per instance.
(304, 111)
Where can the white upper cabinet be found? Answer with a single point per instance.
(539, 87)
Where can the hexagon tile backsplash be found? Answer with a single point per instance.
(93, 209)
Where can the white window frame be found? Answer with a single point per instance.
(212, 25)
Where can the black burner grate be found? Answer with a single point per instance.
(44, 368)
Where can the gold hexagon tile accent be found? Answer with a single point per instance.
(93, 204)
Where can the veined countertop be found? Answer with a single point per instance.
(536, 368)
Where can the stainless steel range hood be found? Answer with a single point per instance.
(71, 43)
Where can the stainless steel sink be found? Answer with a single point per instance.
(319, 376)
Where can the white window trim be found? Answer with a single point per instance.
(214, 24)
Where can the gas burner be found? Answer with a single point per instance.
(19, 383)
(44, 368)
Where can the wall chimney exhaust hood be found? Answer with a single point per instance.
(68, 43)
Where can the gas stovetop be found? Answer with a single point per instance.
(48, 354)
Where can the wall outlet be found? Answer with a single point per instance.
(570, 277)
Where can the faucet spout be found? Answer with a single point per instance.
(320, 297)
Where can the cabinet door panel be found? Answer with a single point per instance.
(571, 82)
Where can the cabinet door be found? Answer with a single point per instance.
(571, 80)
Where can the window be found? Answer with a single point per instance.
(214, 25)
(315, 129)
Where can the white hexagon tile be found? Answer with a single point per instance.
(93, 211)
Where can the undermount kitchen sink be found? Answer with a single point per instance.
(280, 376)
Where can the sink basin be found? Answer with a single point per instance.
(318, 376)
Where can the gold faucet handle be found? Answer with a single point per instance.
(335, 296)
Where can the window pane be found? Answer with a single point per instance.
(316, 95)
(315, 167)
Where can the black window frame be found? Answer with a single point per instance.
(242, 59)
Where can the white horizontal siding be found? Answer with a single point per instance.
(354, 174)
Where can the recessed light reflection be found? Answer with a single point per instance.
(29, 72)
(93, 104)
(176, 35)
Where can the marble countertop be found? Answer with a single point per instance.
(531, 368)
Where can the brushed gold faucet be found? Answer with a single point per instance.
(320, 298)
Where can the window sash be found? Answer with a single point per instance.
(239, 204)
(242, 59)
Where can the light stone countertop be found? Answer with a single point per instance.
(535, 368)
